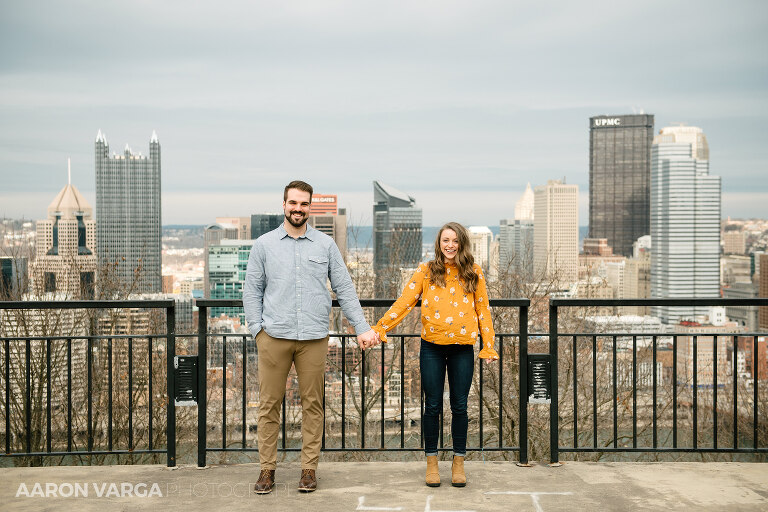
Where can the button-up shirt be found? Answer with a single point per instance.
(285, 286)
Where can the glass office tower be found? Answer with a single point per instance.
(620, 179)
(685, 222)
(128, 215)
(396, 236)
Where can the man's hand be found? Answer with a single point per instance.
(368, 339)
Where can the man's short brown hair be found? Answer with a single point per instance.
(298, 185)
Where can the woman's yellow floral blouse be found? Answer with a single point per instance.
(448, 315)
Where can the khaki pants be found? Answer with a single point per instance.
(275, 359)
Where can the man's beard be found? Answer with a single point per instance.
(294, 223)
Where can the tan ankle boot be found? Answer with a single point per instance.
(458, 478)
(433, 475)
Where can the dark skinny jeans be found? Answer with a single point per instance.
(459, 361)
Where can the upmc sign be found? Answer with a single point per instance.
(611, 121)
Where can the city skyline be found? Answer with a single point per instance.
(460, 105)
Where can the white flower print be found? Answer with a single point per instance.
(450, 335)
(393, 315)
(455, 304)
(463, 330)
(485, 329)
(473, 335)
(437, 315)
(452, 289)
(479, 299)
(425, 302)
(437, 299)
(449, 320)
(461, 313)
(426, 317)
(412, 286)
(466, 300)
(432, 287)
(431, 329)
(384, 326)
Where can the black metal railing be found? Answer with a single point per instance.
(365, 408)
(604, 372)
(613, 391)
(44, 363)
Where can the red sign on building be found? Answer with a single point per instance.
(324, 204)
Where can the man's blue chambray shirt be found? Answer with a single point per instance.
(285, 286)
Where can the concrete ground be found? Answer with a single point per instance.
(393, 486)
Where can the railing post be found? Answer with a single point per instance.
(170, 319)
(523, 384)
(553, 413)
(202, 383)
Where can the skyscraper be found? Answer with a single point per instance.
(620, 179)
(516, 238)
(65, 262)
(685, 221)
(762, 291)
(213, 235)
(243, 225)
(13, 277)
(480, 241)
(397, 237)
(556, 232)
(326, 216)
(264, 223)
(524, 205)
(128, 214)
(227, 263)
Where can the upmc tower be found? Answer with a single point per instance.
(620, 179)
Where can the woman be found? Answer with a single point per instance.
(454, 315)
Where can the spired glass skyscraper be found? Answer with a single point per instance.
(396, 237)
(128, 216)
(685, 222)
(620, 179)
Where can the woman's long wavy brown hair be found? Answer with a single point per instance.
(464, 260)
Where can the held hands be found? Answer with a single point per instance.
(368, 339)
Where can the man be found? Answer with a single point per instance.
(287, 306)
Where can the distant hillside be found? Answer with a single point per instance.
(360, 237)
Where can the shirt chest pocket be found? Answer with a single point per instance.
(317, 265)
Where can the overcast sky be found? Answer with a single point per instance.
(459, 104)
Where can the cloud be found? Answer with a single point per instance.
(429, 96)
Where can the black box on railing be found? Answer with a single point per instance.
(185, 368)
(539, 378)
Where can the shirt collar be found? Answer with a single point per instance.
(310, 234)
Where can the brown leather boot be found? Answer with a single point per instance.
(308, 482)
(266, 482)
(458, 478)
(433, 474)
